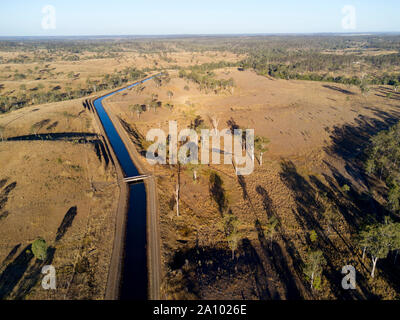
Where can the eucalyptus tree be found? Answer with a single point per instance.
(272, 227)
(313, 268)
(364, 88)
(136, 108)
(169, 106)
(155, 105)
(177, 196)
(158, 82)
(383, 160)
(378, 240)
(215, 122)
(395, 85)
(231, 226)
(260, 144)
(193, 170)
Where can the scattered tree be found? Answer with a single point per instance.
(364, 88)
(313, 267)
(39, 125)
(378, 240)
(169, 106)
(271, 227)
(345, 188)
(231, 224)
(157, 80)
(193, 169)
(383, 160)
(395, 86)
(260, 144)
(215, 122)
(313, 236)
(177, 189)
(39, 249)
(136, 108)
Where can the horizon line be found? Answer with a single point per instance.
(180, 35)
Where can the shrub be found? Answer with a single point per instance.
(39, 249)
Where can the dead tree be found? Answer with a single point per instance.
(215, 122)
(177, 190)
(177, 199)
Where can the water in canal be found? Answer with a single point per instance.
(134, 284)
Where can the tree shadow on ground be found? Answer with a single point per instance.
(86, 105)
(136, 137)
(203, 267)
(388, 93)
(242, 183)
(350, 141)
(101, 152)
(64, 136)
(336, 88)
(268, 205)
(52, 126)
(280, 261)
(14, 272)
(10, 256)
(390, 270)
(353, 208)
(217, 191)
(24, 274)
(8, 189)
(33, 275)
(232, 125)
(101, 149)
(277, 266)
(356, 206)
(3, 182)
(4, 215)
(21, 274)
(308, 213)
(4, 197)
(308, 209)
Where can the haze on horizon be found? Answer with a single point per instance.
(123, 17)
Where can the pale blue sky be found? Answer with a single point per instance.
(160, 17)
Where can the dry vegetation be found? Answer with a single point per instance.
(70, 197)
(236, 237)
(54, 186)
(310, 126)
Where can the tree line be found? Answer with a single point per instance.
(317, 66)
(206, 80)
(379, 238)
(40, 96)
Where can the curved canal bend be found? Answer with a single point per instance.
(134, 277)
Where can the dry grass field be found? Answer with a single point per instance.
(309, 192)
(55, 184)
(60, 74)
(56, 180)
